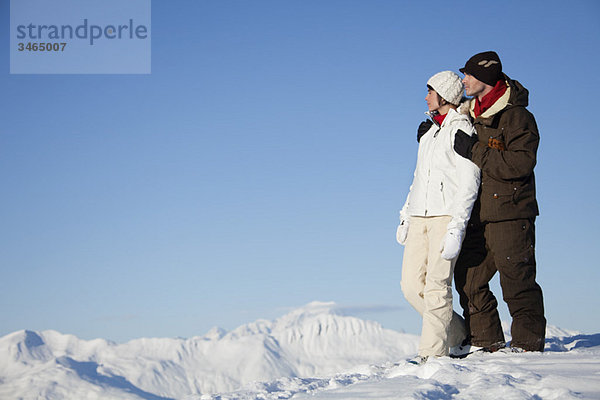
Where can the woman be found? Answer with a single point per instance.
(435, 215)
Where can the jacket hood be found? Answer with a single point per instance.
(519, 95)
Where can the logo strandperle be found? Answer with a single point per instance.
(80, 37)
(486, 63)
(85, 31)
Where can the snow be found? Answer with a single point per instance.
(315, 352)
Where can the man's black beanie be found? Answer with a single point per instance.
(485, 67)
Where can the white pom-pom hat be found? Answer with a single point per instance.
(448, 85)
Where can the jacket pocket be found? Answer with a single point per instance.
(493, 138)
(497, 203)
(443, 194)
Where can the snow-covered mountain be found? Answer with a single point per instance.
(313, 341)
(314, 352)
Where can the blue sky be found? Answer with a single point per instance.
(262, 164)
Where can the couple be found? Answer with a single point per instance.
(473, 189)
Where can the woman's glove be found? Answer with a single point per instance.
(402, 231)
(451, 244)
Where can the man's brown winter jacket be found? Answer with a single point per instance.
(506, 154)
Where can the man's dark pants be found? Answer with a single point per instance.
(509, 248)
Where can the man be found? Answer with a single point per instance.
(501, 234)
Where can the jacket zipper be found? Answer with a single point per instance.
(429, 165)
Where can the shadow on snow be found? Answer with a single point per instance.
(89, 371)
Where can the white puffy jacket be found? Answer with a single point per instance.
(444, 183)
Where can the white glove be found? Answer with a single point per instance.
(451, 244)
(402, 231)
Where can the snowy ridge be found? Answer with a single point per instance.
(313, 341)
(314, 352)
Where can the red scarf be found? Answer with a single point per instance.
(439, 118)
(489, 99)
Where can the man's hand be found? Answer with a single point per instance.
(423, 128)
(463, 144)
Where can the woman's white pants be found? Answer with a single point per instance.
(427, 285)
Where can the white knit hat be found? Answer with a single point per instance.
(448, 85)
